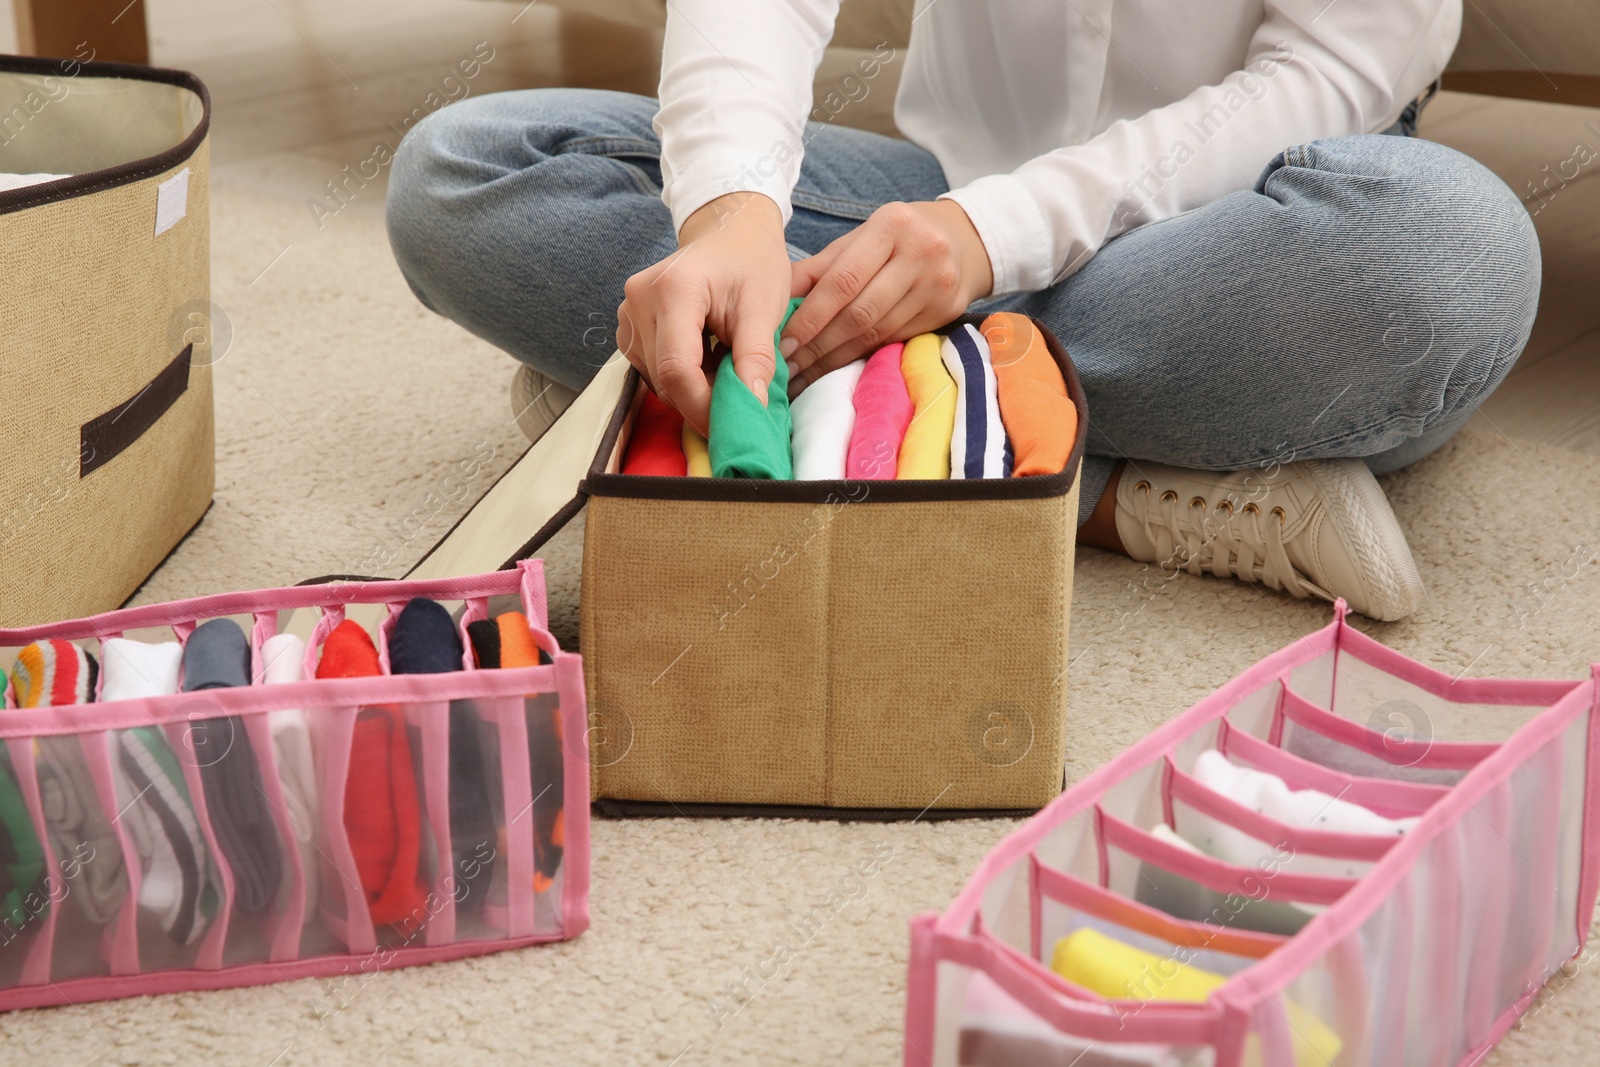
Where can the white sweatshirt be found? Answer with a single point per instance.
(1059, 123)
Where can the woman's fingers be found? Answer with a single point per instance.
(755, 322)
(869, 321)
(841, 271)
(678, 375)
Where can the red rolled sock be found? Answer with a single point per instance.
(656, 444)
(382, 815)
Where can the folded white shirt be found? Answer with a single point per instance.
(824, 417)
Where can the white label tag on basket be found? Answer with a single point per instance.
(172, 201)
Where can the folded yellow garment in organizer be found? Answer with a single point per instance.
(1110, 968)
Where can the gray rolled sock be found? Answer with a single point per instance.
(1184, 899)
(217, 656)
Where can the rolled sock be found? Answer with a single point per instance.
(382, 817)
(978, 444)
(695, 453)
(283, 660)
(1100, 963)
(1183, 898)
(883, 411)
(1268, 794)
(517, 646)
(656, 444)
(1040, 420)
(217, 656)
(1348, 759)
(824, 418)
(424, 640)
(54, 674)
(925, 452)
(178, 885)
(484, 635)
(750, 439)
(23, 894)
(545, 747)
(137, 669)
(997, 1031)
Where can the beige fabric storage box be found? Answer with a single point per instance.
(105, 383)
(870, 648)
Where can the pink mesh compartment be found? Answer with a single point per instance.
(315, 917)
(1428, 955)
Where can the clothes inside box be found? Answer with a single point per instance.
(987, 401)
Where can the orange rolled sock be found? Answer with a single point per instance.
(1040, 418)
(656, 444)
(517, 649)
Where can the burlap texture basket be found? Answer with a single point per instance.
(105, 383)
(878, 649)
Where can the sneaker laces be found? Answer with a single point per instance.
(1226, 541)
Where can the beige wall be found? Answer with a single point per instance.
(8, 29)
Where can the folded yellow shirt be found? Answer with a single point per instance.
(696, 452)
(1107, 966)
(925, 449)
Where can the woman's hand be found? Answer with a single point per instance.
(731, 273)
(908, 269)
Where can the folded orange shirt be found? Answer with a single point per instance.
(1039, 416)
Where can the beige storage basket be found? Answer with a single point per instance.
(105, 382)
(867, 648)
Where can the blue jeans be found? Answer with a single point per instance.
(1360, 301)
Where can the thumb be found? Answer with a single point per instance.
(754, 352)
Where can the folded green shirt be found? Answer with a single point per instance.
(749, 440)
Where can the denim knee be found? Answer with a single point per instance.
(1441, 266)
(443, 168)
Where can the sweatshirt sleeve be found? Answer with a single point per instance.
(1314, 69)
(735, 89)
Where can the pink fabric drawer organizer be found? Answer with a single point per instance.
(1428, 957)
(42, 963)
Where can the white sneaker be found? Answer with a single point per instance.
(1319, 527)
(537, 401)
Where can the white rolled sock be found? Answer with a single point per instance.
(283, 658)
(133, 669)
(1309, 808)
(979, 447)
(173, 889)
(824, 417)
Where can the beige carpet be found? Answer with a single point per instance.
(343, 412)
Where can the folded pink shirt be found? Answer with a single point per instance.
(883, 411)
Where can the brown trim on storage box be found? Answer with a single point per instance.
(105, 437)
(654, 809)
(754, 490)
(123, 173)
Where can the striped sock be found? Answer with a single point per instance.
(55, 674)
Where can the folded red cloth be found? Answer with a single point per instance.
(382, 815)
(656, 444)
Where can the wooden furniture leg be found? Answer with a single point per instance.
(83, 29)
